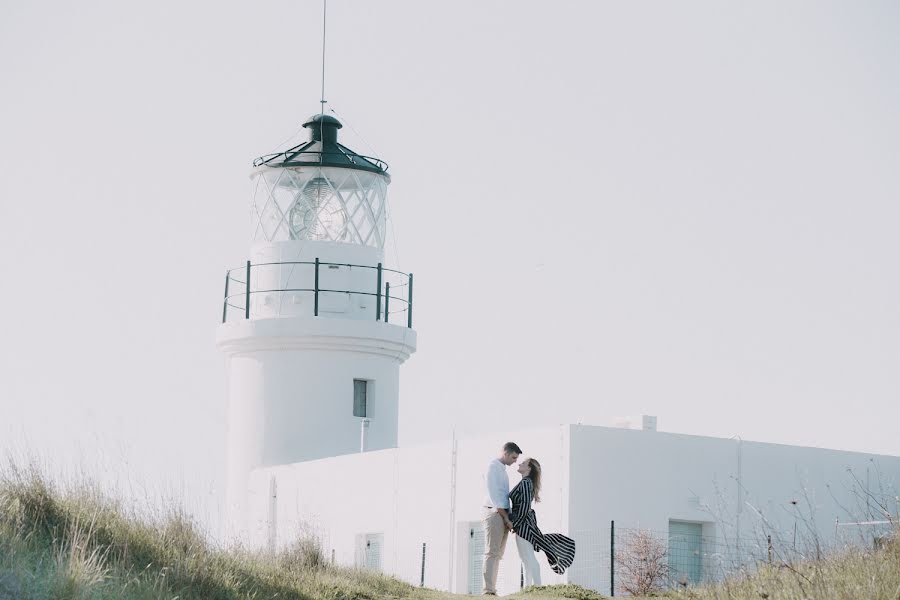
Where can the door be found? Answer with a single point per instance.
(685, 558)
(476, 557)
(369, 550)
(374, 542)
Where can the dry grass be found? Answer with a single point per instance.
(79, 545)
(850, 574)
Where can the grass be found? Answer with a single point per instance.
(850, 574)
(79, 545)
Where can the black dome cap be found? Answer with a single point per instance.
(322, 127)
(322, 149)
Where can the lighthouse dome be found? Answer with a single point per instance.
(319, 190)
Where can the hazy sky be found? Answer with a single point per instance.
(687, 209)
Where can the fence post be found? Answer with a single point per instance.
(247, 294)
(316, 291)
(409, 304)
(387, 302)
(225, 303)
(521, 576)
(612, 558)
(422, 576)
(769, 544)
(332, 556)
(378, 296)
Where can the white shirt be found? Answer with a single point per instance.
(496, 483)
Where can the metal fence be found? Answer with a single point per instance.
(616, 559)
(390, 291)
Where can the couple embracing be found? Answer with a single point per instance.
(510, 511)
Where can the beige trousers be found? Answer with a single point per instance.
(495, 534)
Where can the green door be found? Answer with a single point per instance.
(685, 558)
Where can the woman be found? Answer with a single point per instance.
(560, 550)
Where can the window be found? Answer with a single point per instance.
(360, 398)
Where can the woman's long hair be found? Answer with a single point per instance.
(535, 476)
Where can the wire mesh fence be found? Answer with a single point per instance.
(627, 560)
(615, 560)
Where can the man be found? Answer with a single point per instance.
(495, 520)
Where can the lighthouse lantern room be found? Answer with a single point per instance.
(314, 325)
(319, 190)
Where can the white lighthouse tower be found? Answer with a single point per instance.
(314, 326)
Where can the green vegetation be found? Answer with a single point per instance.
(80, 545)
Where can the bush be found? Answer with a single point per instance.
(642, 564)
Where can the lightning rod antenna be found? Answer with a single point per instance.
(324, 11)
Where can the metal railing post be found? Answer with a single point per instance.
(422, 576)
(378, 296)
(409, 304)
(225, 303)
(247, 294)
(387, 302)
(316, 291)
(612, 558)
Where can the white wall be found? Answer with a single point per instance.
(340, 498)
(642, 479)
(284, 276)
(406, 495)
(290, 392)
(591, 475)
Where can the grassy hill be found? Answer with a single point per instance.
(81, 545)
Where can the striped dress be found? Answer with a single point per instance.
(560, 550)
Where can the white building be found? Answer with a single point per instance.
(314, 331)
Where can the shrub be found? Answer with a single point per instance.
(642, 565)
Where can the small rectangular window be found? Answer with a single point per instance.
(360, 400)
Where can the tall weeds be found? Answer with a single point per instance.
(853, 573)
(76, 544)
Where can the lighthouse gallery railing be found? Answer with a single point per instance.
(241, 300)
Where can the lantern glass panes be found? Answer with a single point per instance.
(318, 203)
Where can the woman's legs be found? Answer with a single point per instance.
(529, 560)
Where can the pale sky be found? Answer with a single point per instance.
(685, 209)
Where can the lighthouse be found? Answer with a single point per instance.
(314, 325)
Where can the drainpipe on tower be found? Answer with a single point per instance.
(740, 504)
(363, 434)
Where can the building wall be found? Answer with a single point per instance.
(592, 475)
(290, 393)
(277, 267)
(402, 495)
(644, 479)
(406, 495)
